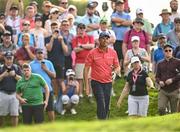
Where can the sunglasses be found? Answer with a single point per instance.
(39, 52)
(26, 24)
(64, 3)
(65, 24)
(168, 50)
(177, 22)
(81, 27)
(55, 12)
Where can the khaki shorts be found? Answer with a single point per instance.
(79, 70)
(8, 104)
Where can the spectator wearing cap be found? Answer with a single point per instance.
(136, 51)
(35, 5)
(68, 36)
(102, 61)
(73, 10)
(29, 16)
(174, 9)
(26, 53)
(136, 86)
(26, 29)
(9, 75)
(121, 22)
(7, 45)
(173, 36)
(158, 54)
(39, 33)
(147, 25)
(136, 31)
(168, 77)
(70, 90)
(104, 28)
(82, 44)
(46, 7)
(4, 26)
(53, 17)
(90, 20)
(163, 27)
(30, 95)
(64, 5)
(57, 48)
(45, 68)
(13, 17)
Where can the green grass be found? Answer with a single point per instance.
(166, 123)
(86, 119)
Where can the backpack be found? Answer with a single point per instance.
(129, 33)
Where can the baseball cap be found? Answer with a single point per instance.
(70, 72)
(104, 34)
(103, 20)
(2, 15)
(33, 3)
(119, 2)
(138, 20)
(81, 25)
(177, 19)
(14, 7)
(161, 35)
(135, 38)
(38, 50)
(7, 33)
(72, 7)
(135, 59)
(8, 54)
(54, 10)
(139, 11)
(91, 5)
(38, 18)
(168, 45)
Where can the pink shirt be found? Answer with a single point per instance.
(144, 38)
(101, 63)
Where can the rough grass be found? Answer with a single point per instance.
(156, 124)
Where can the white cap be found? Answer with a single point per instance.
(72, 7)
(135, 59)
(139, 11)
(133, 38)
(70, 72)
(65, 99)
(54, 10)
(75, 99)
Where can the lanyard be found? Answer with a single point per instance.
(135, 75)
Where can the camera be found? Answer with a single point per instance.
(9, 69)
(42, 62)
(56, 31)
(71, 78)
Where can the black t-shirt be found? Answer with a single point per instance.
(140, 84)
(44, 18)
(8, 84)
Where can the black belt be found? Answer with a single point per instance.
(8, 92)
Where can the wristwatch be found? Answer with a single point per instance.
(80, 46)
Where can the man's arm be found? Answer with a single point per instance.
(46, 95)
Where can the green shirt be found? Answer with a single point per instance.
(31, 89)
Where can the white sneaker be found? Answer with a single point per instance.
(81, 95)
(73, 112)
(63, 112)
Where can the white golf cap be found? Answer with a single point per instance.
(135, 59)
(139, 11)
(54, 10)
(133, 38)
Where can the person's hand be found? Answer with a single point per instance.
(118, 104)
(87, 90)
(168, 81)
(161, 83)
(23, 101)
(5, 73)
(60, 38)
(43, 66)
(113, 75)
(55, 35)
(12, 73)
(45, 104)
(26, 46)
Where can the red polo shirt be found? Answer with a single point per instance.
(78, 40)
(101, 63)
